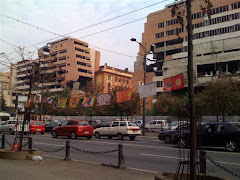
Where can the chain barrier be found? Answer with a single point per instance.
(94, 152)
(56, 150)
(8, 142)
(110, 165)
(25, 144)
(221, 167)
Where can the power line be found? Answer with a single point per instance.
(81, 28)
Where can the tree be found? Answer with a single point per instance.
(222, 95)
(2, 101)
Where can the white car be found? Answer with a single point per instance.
(10, 126)
(139, 123)
(118, 129)
(156, 126)
(175, 124)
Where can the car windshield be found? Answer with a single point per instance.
(132, 124)
(83, 123)
(237, 125)
(38, 123)
(174, 123)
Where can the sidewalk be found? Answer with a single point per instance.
(58, 169)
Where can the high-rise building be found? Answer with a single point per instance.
(110, 78)
(5, 89)
(216, 43)
(59, 62)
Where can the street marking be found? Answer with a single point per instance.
(143, 170)
(170, 157)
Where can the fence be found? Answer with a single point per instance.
(68, 147)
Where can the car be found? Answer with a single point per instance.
(175, 124)
(139, 123)
(219, 134)
(12, 127)
(37, 126)
(102, 124)
(156, 126)
(73, 129)
(118, 129)
(50, 125)
(167, 135)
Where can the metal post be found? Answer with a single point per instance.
(30, 145)
(67, 156)
(3, 142)
(144, 82)
(193, 149)
(120, 156)
(203, 165)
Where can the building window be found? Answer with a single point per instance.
(159, 35)
(160, 25)
(115, 78)
(62, 58)
(219, 10)
(235, 5)
(159, 84)
(109, 77)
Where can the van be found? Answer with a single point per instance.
(4, 116)
(10, 126)
(156, 126)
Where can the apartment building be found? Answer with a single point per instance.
(5, 88)
(216, 43)
(110, 78)
(59, 62)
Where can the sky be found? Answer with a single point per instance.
(64, 16)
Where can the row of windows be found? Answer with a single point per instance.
(198, 15)
(168, 43)
(83, 64)
(217, 20)
(235, 5)
(81, 44)
(62, 65)
(81, 50)
(62, 58)
(84, 71)
(172, 21)
(82, 57)
(62, 51)
(174, 31)
(219, 10)
(118, 79)
(219, 31)
(159, 35)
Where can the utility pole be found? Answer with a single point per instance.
(193, 150)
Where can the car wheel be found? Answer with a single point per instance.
(132, 137)
(97, 135)
(120, 136)
(89, 137)
(11, 131)
(146, 130)
(109, 137)
(54, 134)
(167, 139)
(231, 146)
(73, 135)
(42, 132)
(182, 143)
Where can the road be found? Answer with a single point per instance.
(145, 153)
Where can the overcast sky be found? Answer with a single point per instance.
(65, 16)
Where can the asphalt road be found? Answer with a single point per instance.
(145, 153)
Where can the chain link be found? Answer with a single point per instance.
(25, 144)
(56, 150)
(110, 165)
(8, 142)
(223, 168)
(94, 152)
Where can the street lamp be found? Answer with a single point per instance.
(144, 81)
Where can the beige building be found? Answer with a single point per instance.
(5, 88)
(216, 43)
(110, 78)
(59, 62)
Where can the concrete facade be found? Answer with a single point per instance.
(110, 78)
(5, 88)
(216, 43)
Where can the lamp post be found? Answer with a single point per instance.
(144, 81)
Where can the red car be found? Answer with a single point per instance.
(73, 129)
(37, 126)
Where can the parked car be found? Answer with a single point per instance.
(167, 135)
(73, 129)
(175, 124)
(156, 126)
(102, 124)
(50, 125)
(139, 123)
(118, 129)
(37, 126)
(223, 134)
(12, 127)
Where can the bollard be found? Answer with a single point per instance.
(3, 142)
(30, 145)
(203, 162)
(67, 156)
(120, 156)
